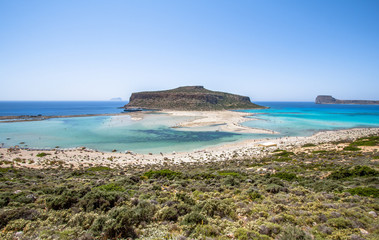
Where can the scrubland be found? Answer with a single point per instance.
(312, 192)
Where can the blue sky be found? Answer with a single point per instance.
(269, 50)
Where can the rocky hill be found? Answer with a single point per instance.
(189, 98)
(327, 99)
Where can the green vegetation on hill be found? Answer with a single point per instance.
(190, 98)
(323, 194)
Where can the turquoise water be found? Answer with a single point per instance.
(154, 132)
(306, 118)
(105, 133)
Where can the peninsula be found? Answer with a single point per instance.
(190, 98)
(327, 99)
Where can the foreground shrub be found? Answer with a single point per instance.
(229, 173)
(205, 230)
(164, 173)
(367, 141)
(364, 191)
(42, 154)
(283, 153)
(244, 234)
(61, 202)
(99, 200)
(120, 222)
(254, 194)
(293, 233)
(275, 188)
(285, 176)
(221, 208)
(83, 219)
(357, 171)
(309, 145)
(351, 148)
(167, 214)
(111, 187)
(339, 222)
(194, 218)
(98, 169)
(20, 213)
(231, 180)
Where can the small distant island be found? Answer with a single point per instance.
(116, 99)
(190, 98)
(327, 99)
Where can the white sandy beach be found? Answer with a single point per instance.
(223, 121)
(82, 157)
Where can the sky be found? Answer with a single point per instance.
(269, 50)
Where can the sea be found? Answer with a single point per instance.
(154, 133)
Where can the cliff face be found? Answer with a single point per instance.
(326, 99)
(189, 98)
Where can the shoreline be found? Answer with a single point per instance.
(82, 157)
(222, 121)
(30, 118)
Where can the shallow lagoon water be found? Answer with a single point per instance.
(154, 133)
(105, 133)
(307, 118)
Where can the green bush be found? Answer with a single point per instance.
(231, 181)
(357, 171)
(253, 195)
(61, 202)
(229, 173)
(309, 145)
(42, 154)
(167, 214)
(339, 223)
(19, 213)
(164, 173)
(275, 188)
(111, 187)
(364, 191)
(283, 153)
(185, 198)
(215, 207)
(244, 234)
(293, 233)
(99, 200)
(121, 221)
(320, 151)
(194, 218)
(285, 176)
(98, 169)
(351, 148)
(83, 219)
(119, 224)
(183, 209)
(366, 141)
(206, 230)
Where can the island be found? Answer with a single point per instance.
(189, 98)
(327, 99)
(116, 99)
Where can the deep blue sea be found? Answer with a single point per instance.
(154, 133)
(52, 108)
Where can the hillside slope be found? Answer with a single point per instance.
(190, 98)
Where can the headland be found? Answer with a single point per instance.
(190, 98)
(327, 99)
